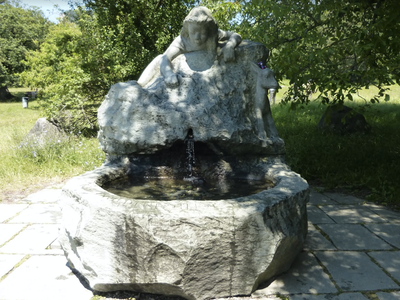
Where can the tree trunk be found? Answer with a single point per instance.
(5, 94)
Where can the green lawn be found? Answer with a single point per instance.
(25, 166)
(365, 163)
(368, 164)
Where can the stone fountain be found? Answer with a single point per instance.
(196, 249)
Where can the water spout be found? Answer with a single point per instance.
(190, 155)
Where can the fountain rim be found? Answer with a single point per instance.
(87, 189)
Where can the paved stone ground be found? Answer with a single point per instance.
(352, 252)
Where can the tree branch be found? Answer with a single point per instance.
(160, 2)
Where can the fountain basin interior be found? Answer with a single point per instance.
(179, 176)
(214, 128)
(193, 249)
(185, 188)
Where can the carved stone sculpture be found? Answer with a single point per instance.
(208, 88)
(225, 104)
(200, 32)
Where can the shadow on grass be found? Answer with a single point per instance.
(355, 162)
(17, 94)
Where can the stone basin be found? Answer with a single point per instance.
(193, 249)
(196, 249)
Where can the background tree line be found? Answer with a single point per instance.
(335, 47)
(21, 30)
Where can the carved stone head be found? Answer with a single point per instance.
(199, 30)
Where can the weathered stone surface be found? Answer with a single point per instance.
(210, 99)
(343, 119)
(217, 100)
(194, 249)
(44, 132)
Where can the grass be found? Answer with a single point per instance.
(362, 163)
(368, 164)
(27, 165)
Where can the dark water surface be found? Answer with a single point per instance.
(185, 189)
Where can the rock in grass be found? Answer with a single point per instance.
(343, 120)
(44, 132)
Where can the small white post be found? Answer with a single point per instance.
(272, 96)
(25, 102)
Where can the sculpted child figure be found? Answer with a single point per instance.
(199, 33)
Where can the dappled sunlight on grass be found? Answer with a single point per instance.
(363, 96)
(357, 161)
(28, 163)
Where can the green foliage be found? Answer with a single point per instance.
(368, 162)
(99, 45)
(28, 163)
(54, 155)
(227, 13)
(96, 297)
(335, 46)
(21, 30)
(140, 29)
(58, 70)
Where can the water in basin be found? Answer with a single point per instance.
(185, 189)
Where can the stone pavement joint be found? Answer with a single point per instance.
(352, 252)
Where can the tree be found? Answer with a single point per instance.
(226, 13)
(337, 46)
(56, 69)
(21, 30)
(140, 29)
(107, 42)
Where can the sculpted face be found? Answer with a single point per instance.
(197, 33)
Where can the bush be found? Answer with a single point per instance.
(28, 164)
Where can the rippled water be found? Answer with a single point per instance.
(185, 189)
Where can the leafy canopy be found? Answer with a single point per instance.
(21, 29)
(100, 44)
(140, 29)
(337, 46)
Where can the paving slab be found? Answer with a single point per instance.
(316, 241)
(343, 296)
(33, 240)
(39, 214)
(390, 215)
(48, 195)
(7, 231)
(388, 232)
(43, 278)
(352, 214)
(56, 245)
(8, 211)
(390, 261)
(354, 271)
(344, 199)
(388, 295)
(8, 261)
(353, 237)
(320, 199)
(317, 216)
(305, 276)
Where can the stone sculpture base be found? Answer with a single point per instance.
(194, 249)
(220, 105)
